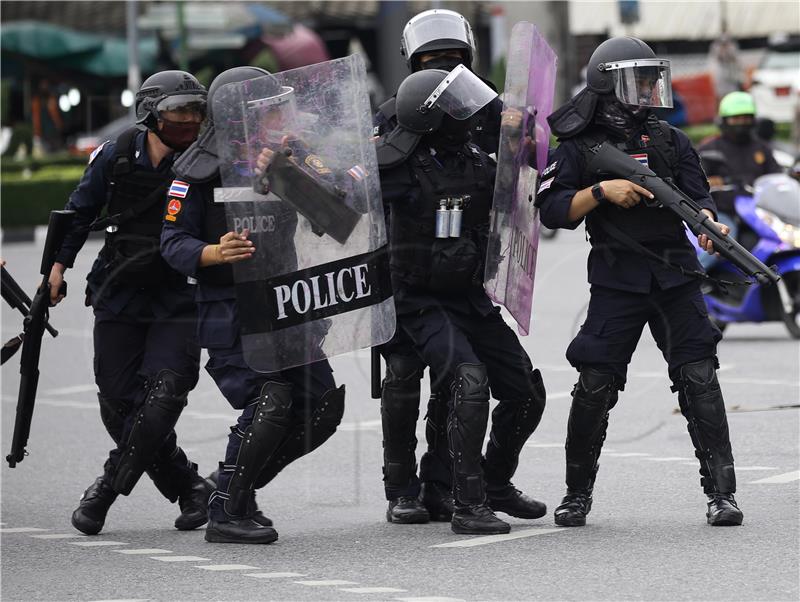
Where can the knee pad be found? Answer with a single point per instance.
(327, 416)
(595, 390)
(538, 393)
(471, 383)
(403, 369)
(698, 379)
(171, 388)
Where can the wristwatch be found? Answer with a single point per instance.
(598, 194)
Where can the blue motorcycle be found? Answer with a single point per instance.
(768, 220)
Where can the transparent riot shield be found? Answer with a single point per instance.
(318, 282)
(514, 235)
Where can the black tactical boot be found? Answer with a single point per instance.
(90, 515)
(194, 505)
(477, 520)
(573, 509)
(252, 508)
(515, 503)
(438, 500)
(723, 511)
(243, 530)
(407, 510)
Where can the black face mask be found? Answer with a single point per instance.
(738, 134)
(619, 118)
(447, 63)
(178, 135)
(452, 132)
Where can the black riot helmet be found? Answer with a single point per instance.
(235, 75)
(168, 91)
(628, 68)
(437, 29)
(424, 100)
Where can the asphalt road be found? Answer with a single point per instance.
(646, 538)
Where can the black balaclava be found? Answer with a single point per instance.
(451, 135)
(618, 118)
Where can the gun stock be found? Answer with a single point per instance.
(610, 160)
(34, 327)
(375, 373)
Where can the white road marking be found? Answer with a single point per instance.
(482, 541)
(273, 575)
(180, 558)
(668, 459)
(625, 454)
(326, 582)
(144, 551)
(209, 415)
(371, 590)
(59, 536)
(227, 567)
(361, 425)
(124, 600)
(741, 468)
(21, 530)
(97, 544)
(431, 599)
(786, 477)
(544, 445)
(760, 381)
(69, 390)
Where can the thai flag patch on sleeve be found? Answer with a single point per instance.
(357, 172)
(179, 189)
(641, 158)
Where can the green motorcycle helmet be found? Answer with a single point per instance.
(736, 103)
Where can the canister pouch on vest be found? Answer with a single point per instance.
(453, 264)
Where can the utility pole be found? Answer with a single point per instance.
(134, 71)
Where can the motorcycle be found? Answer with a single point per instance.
(768, 216)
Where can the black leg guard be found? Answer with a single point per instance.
(466, 428)
(173, 475)
(302, 440)
(593, 396)
(399, 414)
(113, 413)
(701, 403)
(268, 429)
(436, 462)
(154, 422)
(512, 425)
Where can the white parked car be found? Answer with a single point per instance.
(776, 85)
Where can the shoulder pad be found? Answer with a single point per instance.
(199, 163)
(572, 117)
(389, 108)
(395, 147)
(96, 152)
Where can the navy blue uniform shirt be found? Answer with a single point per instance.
(625, 269)
(88, 201)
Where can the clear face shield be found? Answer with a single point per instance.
(274, 119)
(461, 94)
(434, 25)
(642, 82)
(185, 104)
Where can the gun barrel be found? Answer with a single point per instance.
(610, 160)
(375, 373)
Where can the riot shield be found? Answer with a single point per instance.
(318, 282)
(514, 235)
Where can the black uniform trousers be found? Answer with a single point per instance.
(677, 317)
(131, 348)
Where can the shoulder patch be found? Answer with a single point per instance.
(549, 169)
(173, 209)
(545, 185)
(96, 152)
(179, 189)
(357, 172)
(315, 163)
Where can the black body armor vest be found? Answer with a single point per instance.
(135, 209)
(215, 226)
(643, 223)
(418, 258)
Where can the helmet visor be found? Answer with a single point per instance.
(183, 103)
(461, 94)
(642, 82)
(273, 118)
(437, 25)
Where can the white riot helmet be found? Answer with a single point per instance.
(436, 29)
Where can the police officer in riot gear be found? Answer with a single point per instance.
(433, 39)
(430, 173)
(285, 415)
(642, 270)
(146, 355)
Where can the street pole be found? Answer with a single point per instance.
(183, 63)
(392, 17)
(134, 71)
